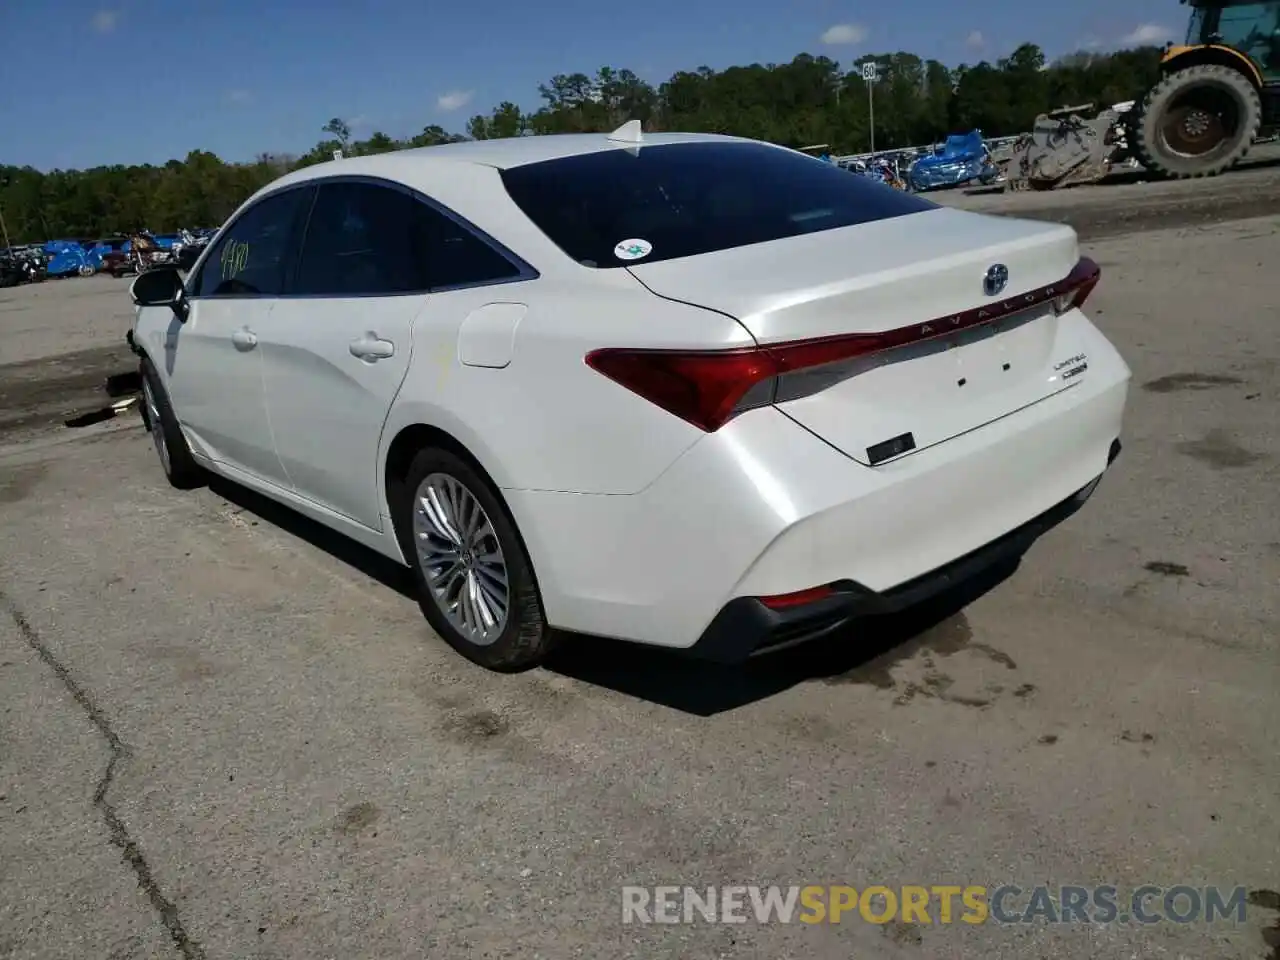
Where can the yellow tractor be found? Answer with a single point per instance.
(1218, 92)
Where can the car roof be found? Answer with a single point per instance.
(499, 154)
(464, 177)
(518, 151)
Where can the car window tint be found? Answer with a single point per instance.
(251, 258)
(680, 200)
(360, 241)
(364, 239)
(457, 257)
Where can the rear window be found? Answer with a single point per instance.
(622, 207)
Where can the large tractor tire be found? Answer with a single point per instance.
(1196, 122)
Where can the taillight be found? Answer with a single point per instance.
(708, 388)
(1079, 283)
(703, 387)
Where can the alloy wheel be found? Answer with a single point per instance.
(461, 558)
(155, 425)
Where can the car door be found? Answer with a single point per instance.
(338, 346)
(213, 361)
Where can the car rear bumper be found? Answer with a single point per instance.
(746, 627)
(763, 508)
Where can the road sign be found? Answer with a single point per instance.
(870, 74)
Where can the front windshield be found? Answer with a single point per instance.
(1251, 28)
(1195, 29)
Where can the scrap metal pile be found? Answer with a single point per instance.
(1218, 94)
(120, 255)
(23, 265)
(1067, 147)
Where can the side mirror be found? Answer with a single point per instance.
(161, 287)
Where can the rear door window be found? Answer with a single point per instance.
(360, 242)
(364, 239)
(460, 258)
(621, 207)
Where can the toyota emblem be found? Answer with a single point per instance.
(994, 282)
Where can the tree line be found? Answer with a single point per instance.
(811, 100)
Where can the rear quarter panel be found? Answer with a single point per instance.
(547, 421)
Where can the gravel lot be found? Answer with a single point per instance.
(225, 734)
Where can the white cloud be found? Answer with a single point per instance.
(104, 21)
(1148, 33)
(844, 33)
(454, 99)
(1091, 43)
(975, 40)
(239, 96)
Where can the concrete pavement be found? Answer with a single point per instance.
(226, 734)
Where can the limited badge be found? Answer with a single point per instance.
(634, 249)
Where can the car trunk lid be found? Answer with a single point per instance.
(954, 352)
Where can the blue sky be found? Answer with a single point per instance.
(132, 81)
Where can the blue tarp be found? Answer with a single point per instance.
(963, 146)
(65, 257)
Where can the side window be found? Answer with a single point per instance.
(251, 258)
(1252, 27)
(364, 239)
(456, 257)
(360, 241)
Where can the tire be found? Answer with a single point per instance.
(1148, 128)
(521, 638)
(180, 468)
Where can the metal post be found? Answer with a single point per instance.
(871, 108)
(4, 229)
(870, 74)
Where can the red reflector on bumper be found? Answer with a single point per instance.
(785, 601)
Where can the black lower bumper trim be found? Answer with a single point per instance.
(745, 627)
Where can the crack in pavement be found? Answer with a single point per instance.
(118, 832)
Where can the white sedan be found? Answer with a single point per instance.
(692, 391)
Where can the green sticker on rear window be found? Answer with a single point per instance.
(633, 249)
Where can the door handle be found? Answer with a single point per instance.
(372, 347)
(244, 339)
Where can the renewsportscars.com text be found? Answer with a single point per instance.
(940, 904)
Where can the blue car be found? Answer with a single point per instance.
(963, 159)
